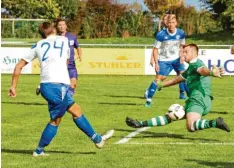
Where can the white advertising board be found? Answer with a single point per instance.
(11, 56)
(219, 57)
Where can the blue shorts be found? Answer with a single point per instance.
(167, 66)
(73, 72)
(58, 98)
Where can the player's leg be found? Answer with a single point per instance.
(156, 121)
(179, 68)
(73, 86)
(195, 109)
(83, 124)
(165, 69)
(73, 77)
(47, 136)
(38, 91)
(54, 95)
(174, 113)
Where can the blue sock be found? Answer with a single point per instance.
(46, 137)
(71, 91)
(181, 86)
(186, 88)
(152, 89)
(85, 126)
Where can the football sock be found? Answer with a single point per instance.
(85, 126)
(186, 88)
(157, 121)
(181, 86)
(71, 91)
(152, 89)
(203, 124)
(46, 137)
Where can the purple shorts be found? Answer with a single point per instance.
(73, 73)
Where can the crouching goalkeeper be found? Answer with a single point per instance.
(198, 104)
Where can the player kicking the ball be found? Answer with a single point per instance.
(53, 53)
(199, 101)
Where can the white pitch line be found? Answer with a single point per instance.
(132, 134)
(180, 143)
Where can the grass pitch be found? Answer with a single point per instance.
(106, 101)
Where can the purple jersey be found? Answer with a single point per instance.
(73, 43)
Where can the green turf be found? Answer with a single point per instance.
(106, 101)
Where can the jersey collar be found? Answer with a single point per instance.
(170, 33)
(193, 60)
(61, 34)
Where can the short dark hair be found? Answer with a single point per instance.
(45, 29)
(59, 20)
(193, 46)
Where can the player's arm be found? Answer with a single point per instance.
(79, 51)
(155, 58)
(232, 50)
(170, 82)
(215, 71)
(15, 77)
(18, 68)
(155, 53)
(152, 60)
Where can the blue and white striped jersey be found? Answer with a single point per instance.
(169, 44)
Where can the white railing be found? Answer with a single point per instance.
(107, 45)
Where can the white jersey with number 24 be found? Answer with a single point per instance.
(53, 53)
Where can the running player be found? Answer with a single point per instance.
(53, 53)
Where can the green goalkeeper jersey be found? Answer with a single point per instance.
(195, 82)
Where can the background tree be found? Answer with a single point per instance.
(193, 21)
(159, 7)
(31, 9)
(68, 8)
(222, 10)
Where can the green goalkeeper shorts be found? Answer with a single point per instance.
(198, 103)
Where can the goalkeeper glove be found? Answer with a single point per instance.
(216, 72)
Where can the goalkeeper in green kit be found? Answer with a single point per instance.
(198, 104)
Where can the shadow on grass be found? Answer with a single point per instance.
(125, 96)
(148, 134)
(21, 151)
(121, 104)
(25, 103)
(219, 112)
(213, 164)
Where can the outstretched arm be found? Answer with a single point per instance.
(171, 82)
(215, 71)
(15, 77)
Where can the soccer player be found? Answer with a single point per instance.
(168, 41)
(199, 101)
(53, 53)
(163, 23)
(73, 43)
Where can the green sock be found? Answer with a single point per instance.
(157, 121)
(203, 124)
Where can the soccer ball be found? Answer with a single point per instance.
(176, 112)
